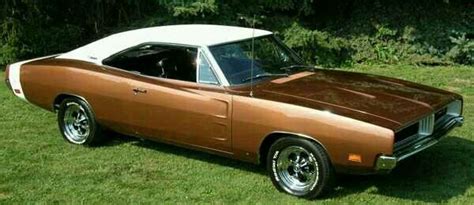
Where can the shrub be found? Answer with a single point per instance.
(463, 49)
(318, 47)
(325, 32)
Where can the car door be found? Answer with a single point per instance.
(191, 113)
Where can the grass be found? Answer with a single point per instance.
(37, 165)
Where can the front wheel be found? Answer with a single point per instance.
(299, 167)
(77, 123)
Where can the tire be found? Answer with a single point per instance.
(77, 123)
(300, 167)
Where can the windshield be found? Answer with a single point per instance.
(272, 59)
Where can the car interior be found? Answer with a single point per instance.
(170, 62)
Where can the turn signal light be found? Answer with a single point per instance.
(355, 158)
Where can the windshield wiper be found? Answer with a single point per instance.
(289, 68)
(263, 75)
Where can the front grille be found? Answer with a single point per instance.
(440, 113)
(407, 132)
(426, 126)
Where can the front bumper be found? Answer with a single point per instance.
(385, 163)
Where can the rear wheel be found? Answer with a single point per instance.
(77, 123)
(299, 167)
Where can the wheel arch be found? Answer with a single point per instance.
(274, 136)
(61, 97)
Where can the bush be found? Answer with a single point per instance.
(318, 47)
(463, 50)
(9, 41)
(329, 33)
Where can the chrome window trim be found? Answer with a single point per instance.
(198, 48)
(215, 66)
(198, 68)
(144, 44)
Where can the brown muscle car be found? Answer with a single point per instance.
(239, 93)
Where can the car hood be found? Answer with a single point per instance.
(387, 102)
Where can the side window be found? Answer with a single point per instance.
(206, 75)
(163, 61)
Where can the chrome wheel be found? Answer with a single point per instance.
(297, 170)
(76, 123)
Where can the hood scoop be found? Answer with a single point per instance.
(356, 92)
(292, 77)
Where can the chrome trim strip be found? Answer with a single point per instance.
(422, 145)
(97, 61)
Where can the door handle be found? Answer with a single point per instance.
(139, 90)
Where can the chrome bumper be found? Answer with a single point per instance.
(387, 163)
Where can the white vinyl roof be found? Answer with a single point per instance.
(192, 34)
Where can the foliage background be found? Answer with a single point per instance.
(331, 33)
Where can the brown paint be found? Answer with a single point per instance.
(292, 77)
(348, 113)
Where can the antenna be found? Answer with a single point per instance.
(253, 56)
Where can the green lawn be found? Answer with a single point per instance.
(37, 165)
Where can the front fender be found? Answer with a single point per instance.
(254, 119)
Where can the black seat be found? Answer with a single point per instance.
(168, 68)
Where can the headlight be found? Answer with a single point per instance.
(455, 108)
